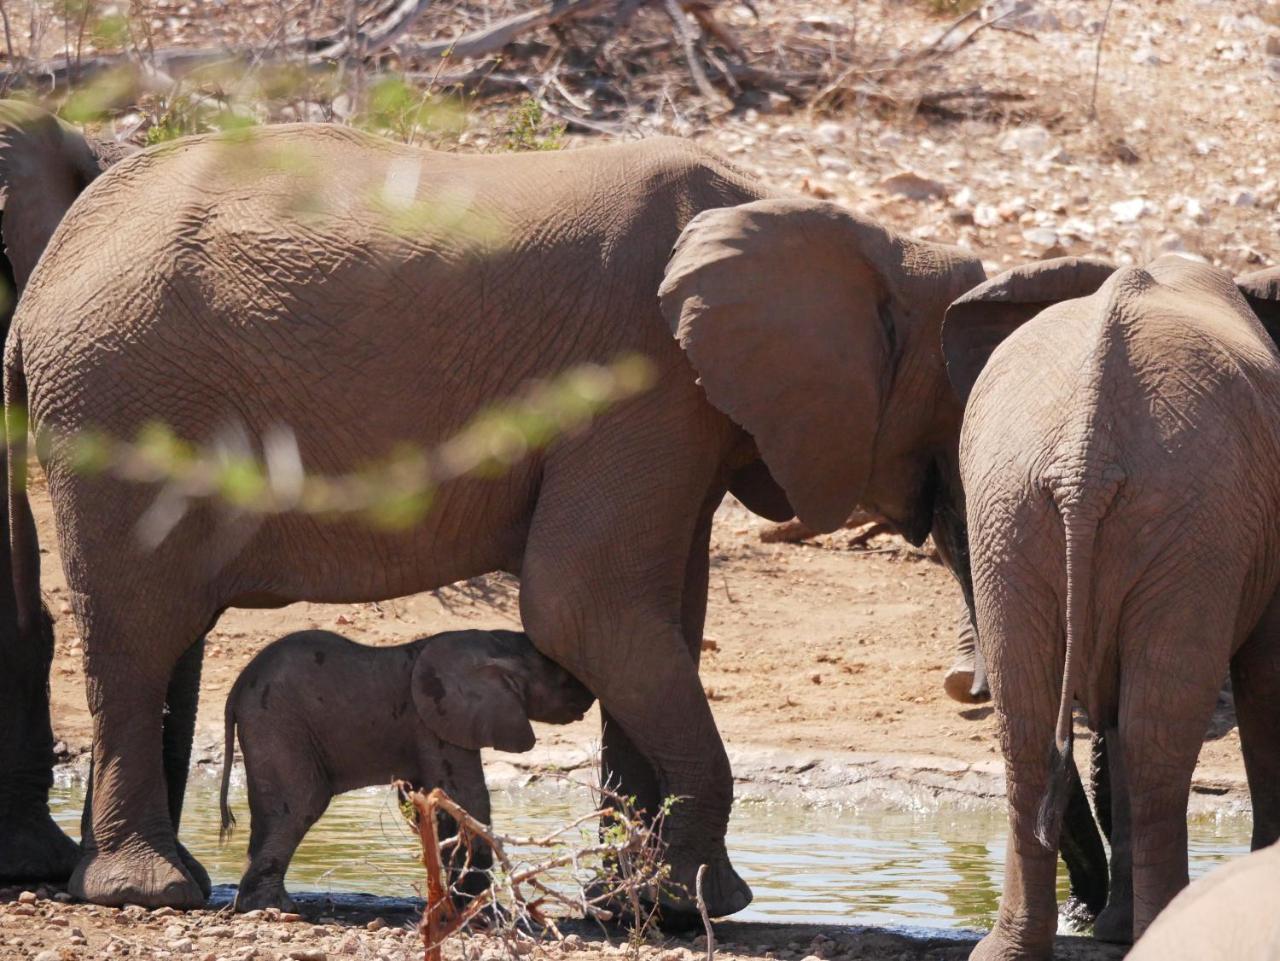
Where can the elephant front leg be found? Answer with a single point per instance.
(32, 847)
(129, 851)
(181, 701)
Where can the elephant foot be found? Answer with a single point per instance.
(196, 870)
(1076, 914)
(1114, 925)
(1000, 945)
(36, 849)
(263, 896)
(723, 891)
(958, 683)
(136, 873)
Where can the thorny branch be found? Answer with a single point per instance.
(629, 850)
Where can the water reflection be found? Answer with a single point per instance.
(939, 869)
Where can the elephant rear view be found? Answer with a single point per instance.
(368, 295)
(44, 166)
(1121, 463)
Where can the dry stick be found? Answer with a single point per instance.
(702, 909)
(1097, 61)
(366, 44)
(689, 42)
(479, 43)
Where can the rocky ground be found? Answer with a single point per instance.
(824, 663)
(49, 930)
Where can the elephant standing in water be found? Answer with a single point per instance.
(367, 294)
(44, 165)
(1120, 458)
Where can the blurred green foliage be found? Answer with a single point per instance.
(393, 493)
(527, 128)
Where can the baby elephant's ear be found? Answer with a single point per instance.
(468, 690)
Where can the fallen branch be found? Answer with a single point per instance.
(368, 43)
(489, 40)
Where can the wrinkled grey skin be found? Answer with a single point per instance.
(44, 165)
(1119, 457)
(319, 714)
(804, 375)
(1227, 915)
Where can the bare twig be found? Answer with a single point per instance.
(481, 43)
(702, 909)
(689, 41)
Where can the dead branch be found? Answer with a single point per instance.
(365, 44)
(689, 41)
(482, 43)
(702, 909)
(627, 841)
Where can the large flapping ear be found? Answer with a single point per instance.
(1262, 290)
(978, 322)
(468, 691)
(782, 309)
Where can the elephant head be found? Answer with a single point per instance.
(478, 689)
(816, 331)
(44, 165)
(977, 323)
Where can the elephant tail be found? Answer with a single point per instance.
(228, 759)
(1080, 528)
(23, 542)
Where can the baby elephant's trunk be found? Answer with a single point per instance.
(228, 758)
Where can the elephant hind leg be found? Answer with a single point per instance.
(1255, 682)
(284, 801)
(1171, 666)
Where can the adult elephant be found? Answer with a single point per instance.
(44, 165)
(1118, 456)
(366, 294)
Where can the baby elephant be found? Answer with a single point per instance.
(319, 715)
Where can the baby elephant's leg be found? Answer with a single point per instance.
(459, 773)
(282, 806)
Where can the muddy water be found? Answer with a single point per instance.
(937, 869)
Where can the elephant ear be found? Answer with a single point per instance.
(979, 321)
(1262, 290)
(782, 310)
(468, 689)
(44, 165)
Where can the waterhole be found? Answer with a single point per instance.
(939, 868)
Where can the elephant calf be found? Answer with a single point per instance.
(319, 714)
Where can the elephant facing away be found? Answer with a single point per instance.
(1120, 457)
(367, 295)
(44, 165)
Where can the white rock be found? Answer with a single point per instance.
(834, 164)
(985, 215)
(48, 956)
(1128, 211)
(830, 132)
(181, 946)
(913, 186)
(1030, 141)
(1043, 237)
